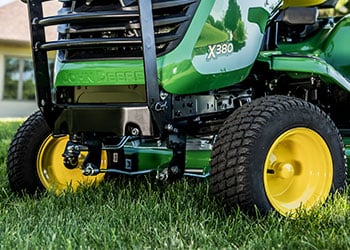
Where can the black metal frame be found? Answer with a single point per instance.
(45, 102)
(150, 62)
(40, 63)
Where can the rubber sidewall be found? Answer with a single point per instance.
(244, 141)
(22, 155)
(282, 122)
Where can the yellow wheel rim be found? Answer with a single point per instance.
(301, 3)
(298, 171)
(52, 172)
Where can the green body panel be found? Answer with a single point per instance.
(325, 54)
(302, 67)
(218, 50)
(159, 158)
(336, 49)
(92, 73)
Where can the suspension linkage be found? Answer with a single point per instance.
(72, 152)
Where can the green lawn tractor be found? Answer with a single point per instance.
(251, 94)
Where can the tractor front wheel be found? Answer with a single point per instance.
(35, 161)
(277, 153)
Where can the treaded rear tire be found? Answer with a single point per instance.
(243, 143)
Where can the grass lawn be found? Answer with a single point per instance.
(134, 213)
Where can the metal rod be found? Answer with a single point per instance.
(90, 171)
(197, 175)
(121, 144)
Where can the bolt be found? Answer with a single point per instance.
(174, 169)
(135, 131)
(70, 149)
(163, 95)
(169, 127)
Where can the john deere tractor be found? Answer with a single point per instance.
(253, 95)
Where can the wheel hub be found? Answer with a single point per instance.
(285, 170)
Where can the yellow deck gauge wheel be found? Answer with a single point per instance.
(52, 172)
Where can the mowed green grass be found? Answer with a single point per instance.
(140, 214)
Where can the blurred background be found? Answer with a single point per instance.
(17, 92)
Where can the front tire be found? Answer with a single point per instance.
(277, 153)
(35, 161)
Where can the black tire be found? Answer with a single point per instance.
(22, 154)
(258, 151)
(35, 161)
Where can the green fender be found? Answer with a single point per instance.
(301, 65)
